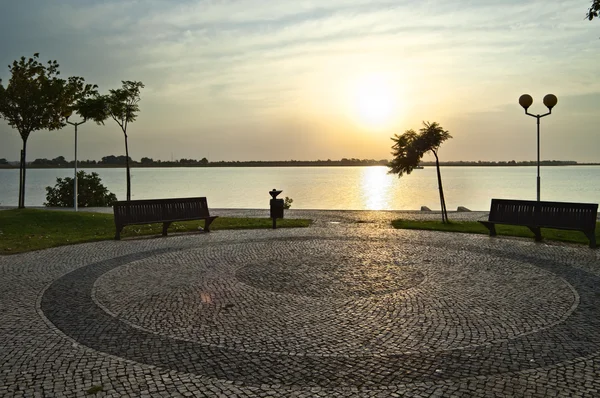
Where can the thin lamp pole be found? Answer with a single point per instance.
(538, 117)
(75, 179)
(550, 101)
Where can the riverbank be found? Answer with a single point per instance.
(317, 215)
(293, 164)
(36, 229)
(24, 230)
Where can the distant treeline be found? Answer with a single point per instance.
(504, 163)
(119, 161)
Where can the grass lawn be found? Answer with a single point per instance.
(473, 227)
(32, 229)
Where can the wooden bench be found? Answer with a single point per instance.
(535, 215)
(163, 211)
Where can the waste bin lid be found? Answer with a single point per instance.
(274, 193)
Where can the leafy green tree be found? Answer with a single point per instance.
(594, 10)
(3, 161)
(92, 107)
(90, 192)
(122, 105)
(35, 98)
(409, 148)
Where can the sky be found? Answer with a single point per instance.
(307, 80)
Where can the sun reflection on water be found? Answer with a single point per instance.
(376, 187)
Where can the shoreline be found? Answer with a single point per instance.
(317, 215)
(171, 166)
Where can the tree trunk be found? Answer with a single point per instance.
(442, 200)
(23, 167)
(20, 177)
(128, 172)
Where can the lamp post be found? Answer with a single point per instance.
(550, 101)
(67, 115)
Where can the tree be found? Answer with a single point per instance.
(409, 148)
(90, 192)
(35, 99)
(112, 159)
(92, 107)
(594, 10)
(122, 105)
(59, 161)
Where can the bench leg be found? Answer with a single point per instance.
(165, 227)
(592, 238)
(118, 233)
(490, 226)
(537, 233)
(207, 223)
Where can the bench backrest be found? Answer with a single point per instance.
(545, 214)
(159, 210)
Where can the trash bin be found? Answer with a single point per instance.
(276, 206)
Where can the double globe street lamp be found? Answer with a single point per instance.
(550, 101)
(67, 115)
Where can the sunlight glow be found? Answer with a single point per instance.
(374, 101)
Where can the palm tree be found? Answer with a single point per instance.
(594, 11)
(409, 148)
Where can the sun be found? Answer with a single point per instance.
(374, 102)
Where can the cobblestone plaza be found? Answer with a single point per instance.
(348, 307)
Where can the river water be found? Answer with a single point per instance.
(341, 188)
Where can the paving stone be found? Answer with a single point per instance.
(348, 307)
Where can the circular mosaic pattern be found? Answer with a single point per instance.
(329, 274)
(214, 311)
(197, 296)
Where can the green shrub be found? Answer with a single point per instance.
(287, 203)
(90, 192)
